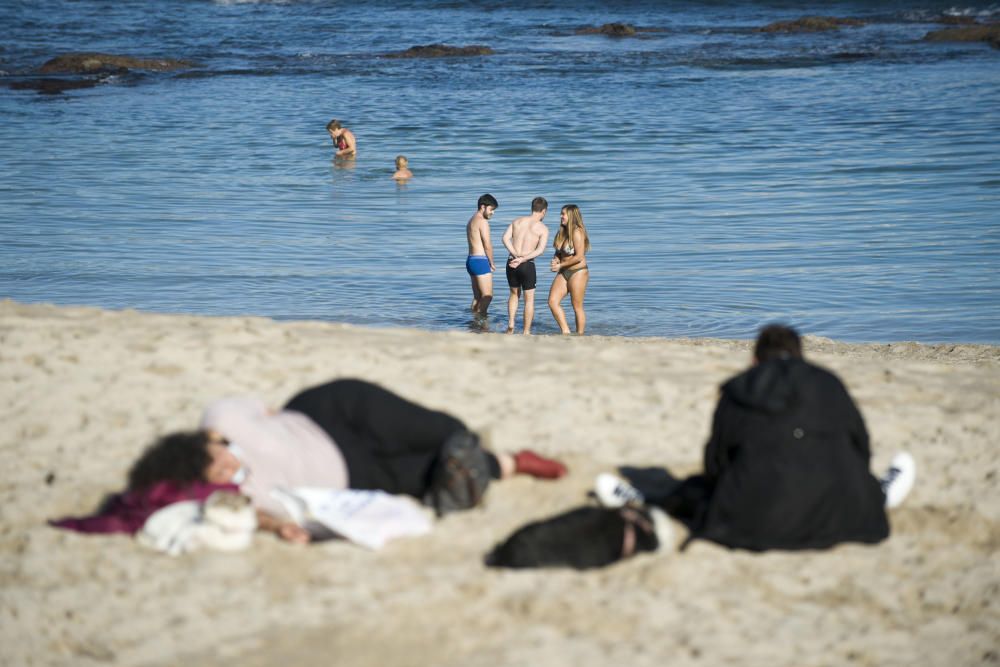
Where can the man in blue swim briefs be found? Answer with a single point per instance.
(479, 263)
(525, 240)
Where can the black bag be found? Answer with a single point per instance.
(460, 475)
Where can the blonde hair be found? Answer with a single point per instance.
(401, 161)
(574, 219)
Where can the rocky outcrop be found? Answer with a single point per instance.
(54, 86)
(92, 63)
(947, 19)
(442, 51)
(609, 29)
(973, 33)
(812, 24)
(86, 70)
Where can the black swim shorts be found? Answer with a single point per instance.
(523, 276)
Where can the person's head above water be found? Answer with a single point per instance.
(334, 125)
(401, 162)
(184, 458)
(777, 341)
(539, 204)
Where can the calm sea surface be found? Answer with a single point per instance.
(846, 182)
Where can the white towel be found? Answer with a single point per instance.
(368, 518)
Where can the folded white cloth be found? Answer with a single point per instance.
(226, 521)
(368, 518)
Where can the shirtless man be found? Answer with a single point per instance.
(479, 263)
(525, 240)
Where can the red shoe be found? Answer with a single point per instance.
(528, 462)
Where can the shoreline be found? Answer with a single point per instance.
(84, 390)
(964, 350)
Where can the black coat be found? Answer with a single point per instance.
(788, 463)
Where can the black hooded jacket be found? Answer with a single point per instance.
(788, 463)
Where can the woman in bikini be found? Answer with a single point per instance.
(570, 265)
(343, 139)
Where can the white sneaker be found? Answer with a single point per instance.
(613, 491)
(898, 479)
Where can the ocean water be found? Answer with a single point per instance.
(845, 182)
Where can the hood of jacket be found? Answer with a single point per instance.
(772, 386)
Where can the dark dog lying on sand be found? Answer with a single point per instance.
(583, 538)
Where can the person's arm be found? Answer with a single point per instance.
(484, 234)
(716, 452)
(856, 428)
(508, 242)
(286, 530)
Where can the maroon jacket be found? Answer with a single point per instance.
(127, 512)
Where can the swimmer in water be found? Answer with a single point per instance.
(343, 139)
(402, 170)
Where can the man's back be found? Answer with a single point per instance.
(477, 229)
(525, 234)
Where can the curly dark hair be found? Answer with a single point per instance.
(177, 457)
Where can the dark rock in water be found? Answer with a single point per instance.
(442, 51)
(852, 55)
(54, 86)
(812, 24)
(89, 63)
(974, 33)
(610, 29)
(946, 19)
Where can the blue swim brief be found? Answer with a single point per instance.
(477, 265)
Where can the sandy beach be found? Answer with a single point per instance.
(83, 391)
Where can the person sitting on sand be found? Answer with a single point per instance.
(402, 170)
(787, 463)
(343, 139)
(343, 434)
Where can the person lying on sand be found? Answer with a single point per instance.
(343, 434)
(787, 463)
